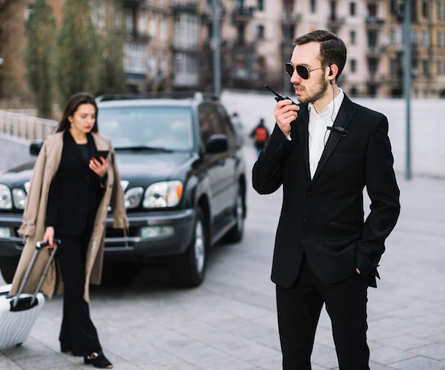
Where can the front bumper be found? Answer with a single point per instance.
(116, 245)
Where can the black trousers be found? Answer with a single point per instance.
(299, 310)
(77, 332)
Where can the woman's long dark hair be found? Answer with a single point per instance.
(71, 107)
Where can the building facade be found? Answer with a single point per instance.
(169, 43)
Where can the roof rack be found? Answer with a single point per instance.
(199, 96)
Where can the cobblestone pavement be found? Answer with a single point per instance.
(229, 323)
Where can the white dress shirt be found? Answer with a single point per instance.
(318, 134)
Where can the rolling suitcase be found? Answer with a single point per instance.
(18, 313)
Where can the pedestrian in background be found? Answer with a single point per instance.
(323, 152)
(260, 134)
(238, 125)
(71, 189)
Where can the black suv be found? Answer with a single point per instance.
(183, 175)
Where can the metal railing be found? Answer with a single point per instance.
(24, 126)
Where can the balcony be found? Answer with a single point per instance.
(374, 22)
(180, 7)
(375, 50)
(375, 78)
(242, 14)
(334, 21)
(291, 18)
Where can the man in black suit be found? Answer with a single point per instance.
(324, 152)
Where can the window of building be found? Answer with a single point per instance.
(426, 9)
(393, 7)
(353, 91)
(372, 38)
(260, 32)
(373, 65)
(241, 34)
(439, 67)
(394, 67)
(164, 29)
(153, 25)
(142, 22)
(353, 65)
(260, 5)
(414, 37)
(372, 10)
(313, 4)
(439, 39)
(352, 37)
(439, 10)
(425, 67)
(129, 20)
(393, 36)
(352, 9)
(425, 38)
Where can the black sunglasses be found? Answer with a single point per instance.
(302, 70)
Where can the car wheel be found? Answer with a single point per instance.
(8, 265)
(235, 234)
(188, 270)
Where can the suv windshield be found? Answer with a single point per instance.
(166, 128)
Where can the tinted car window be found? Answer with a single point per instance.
(169, 128)
(208, 122)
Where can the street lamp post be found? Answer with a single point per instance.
(216, 48)
(407, 82)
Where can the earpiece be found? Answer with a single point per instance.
(330, 70)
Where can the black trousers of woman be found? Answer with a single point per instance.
(78, 333)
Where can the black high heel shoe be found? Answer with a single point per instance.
(98, 360)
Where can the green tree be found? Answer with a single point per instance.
(40, 30)
(78, 55)
(112, 74)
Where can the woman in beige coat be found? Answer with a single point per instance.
(71, 188)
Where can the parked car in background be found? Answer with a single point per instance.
(183, 175)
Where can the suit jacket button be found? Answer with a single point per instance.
(310, 195)
(306, 220)
(279, 146)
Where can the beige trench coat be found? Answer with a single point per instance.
(33, 226)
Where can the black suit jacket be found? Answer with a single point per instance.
(323, 218)
(75, 192)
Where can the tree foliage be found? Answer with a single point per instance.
(78, 54)
(39, 60)
(112, 74)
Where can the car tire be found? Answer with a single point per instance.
(8, 265)
(188, 269)
(236, 233)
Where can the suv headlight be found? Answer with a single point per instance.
(5, 197)
(132, 197)
(163, 194)
(19, 197)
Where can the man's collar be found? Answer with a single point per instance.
(334, 104)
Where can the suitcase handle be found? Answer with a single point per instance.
(39, 246)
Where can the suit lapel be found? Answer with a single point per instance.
(343, 118)
(302, 129)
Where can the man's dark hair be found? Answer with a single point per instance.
(332, 48)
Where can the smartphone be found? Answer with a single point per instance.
(278, 97)
(102, 153)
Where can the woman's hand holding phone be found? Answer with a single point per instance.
(99, 166)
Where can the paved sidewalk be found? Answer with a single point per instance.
(229, 323)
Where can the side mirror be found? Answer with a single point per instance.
(34, 148)
(217, 144)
